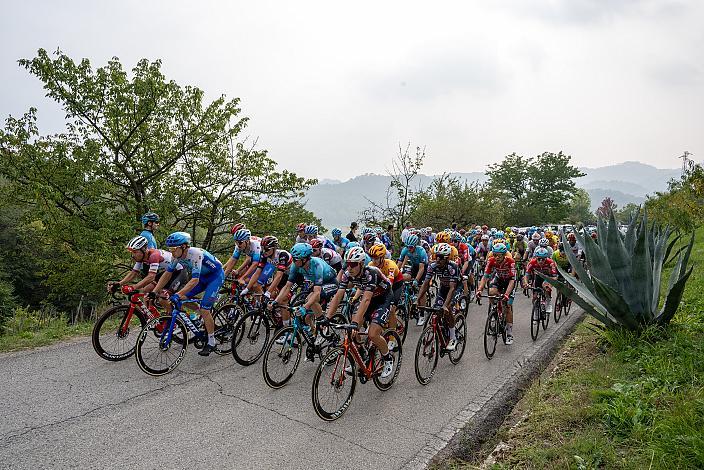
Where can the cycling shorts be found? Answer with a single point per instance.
(502, 284)
(396, 291)
(379, 309)
(178, 280)
(267, 273)
(210, 286)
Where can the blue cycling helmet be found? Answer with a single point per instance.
(464, 240)
(311, 230)
(541, 252)
(301, 250)
(242, 235)
(499, 248)
(351, 245)
(456, 237)
(336, 232)
(499, 234)
(412, 240)
(367, 230)
(178, 239)
(149, 217)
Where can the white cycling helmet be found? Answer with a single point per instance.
(543, 242)
(137, 243)
(443, 249)
(355, 255)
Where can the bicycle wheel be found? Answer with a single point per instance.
(112, 333)
(224, 319)
(557, 308)
(544, 318)
(567, 305)
(402, 322)
(396, 353)
(332, 337)
(461, 335)
(281, 357)
(250, 337)
(535, 320)
(491, 333)
(427, 352)
(333, 386)
(154, 356)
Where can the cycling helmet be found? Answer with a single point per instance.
(499, 248)
(367, 230)
(178, 239)
(379, 230)
(301, 250)
(442, 249)
(499, 234)
(377, 250)
(535, 236)
(311, 229)
(571, 236)
(484, 227)
(541, 252)
(594, 235)
(355, 255)
(442, 237)
(369, 238)
(241, 235)
(137, 243)
(300, 227)
(423, 232)
(149, 217)
(351, 245)
(336, 232)
(485, 237)
(519, 237)
(236, 227)
(316, 244)
(508, 229)
(412, 240)
(270, 242)
(499, 240)
(456, 237)
(543, 242)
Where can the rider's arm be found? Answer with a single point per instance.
(229, 265)
(313, 297)
(449, 296)
(246, 265)
(254, 278)
(275, 282)
(283, 293)
(358, 316)
(421, 271)
(188, 287)
(128, 277)
(148, 279)
(335, 302)
(165, 278)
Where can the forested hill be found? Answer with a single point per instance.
(336, 201)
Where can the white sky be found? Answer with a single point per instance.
(332, 88)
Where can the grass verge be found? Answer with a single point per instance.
(55, 330)
(613, 400)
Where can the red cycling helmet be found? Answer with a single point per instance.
(236, 227)
(315, 243)
(300, 227)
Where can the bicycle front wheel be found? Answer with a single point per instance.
(333, 384)
(114, 333)
(250, 337)
(402, 322)
(461, 335)
(544, 318)
(394, 341)
(557, 308)
(281, 357)
(535, 320)
(156, 356)
(427, 351)
(491, 333)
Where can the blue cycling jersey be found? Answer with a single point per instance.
(151, 241)
(342, 242)
(417, 257)
(318, 272)
(198, 261)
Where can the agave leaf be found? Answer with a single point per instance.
(658, 258)
(630, 239)
(602, 233)
(577, 264)
(673, 299)
(685, 259)
(674, 240)
(640, 296)
(619, 258)
(599, 266)
(586, 306)
(615, 305)
(582, 290)
(675, 274)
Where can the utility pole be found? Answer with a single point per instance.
(687, 163)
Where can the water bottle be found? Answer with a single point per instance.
(307, 333)
(196, 320)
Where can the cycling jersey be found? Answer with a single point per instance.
(386, 240)
(418, 256)
(318, 272)
(370, 279)
(448, 273)
(253, 250)
(280, 258)
(560, 259)
(151, 241)
(198, 261)
(331, 257)
(520, 247)
(156, 261)
(483, 249)
(341, 243)
(326, 243)
(390, 269)
(505, 270)
(463, 251)
(547, 267)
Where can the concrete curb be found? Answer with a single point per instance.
(481, 418)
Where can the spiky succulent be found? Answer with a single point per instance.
(621, 285)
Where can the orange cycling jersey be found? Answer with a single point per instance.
(389, 268)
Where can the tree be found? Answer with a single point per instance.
(580, 207)
(682, 205)
(624, 215)
(607, 206)
(537, 189)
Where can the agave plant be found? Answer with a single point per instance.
(621, 286)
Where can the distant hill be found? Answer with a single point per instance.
(337, 203)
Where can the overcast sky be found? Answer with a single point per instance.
(333, 87)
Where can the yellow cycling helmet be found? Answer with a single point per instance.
(443, 237)
(377, 250)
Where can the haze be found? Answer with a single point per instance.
(332, 88)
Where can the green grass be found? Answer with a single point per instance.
(22, 331)
(616, 400)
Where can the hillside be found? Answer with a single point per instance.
(338, 202)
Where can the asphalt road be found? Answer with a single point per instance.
(64, 407)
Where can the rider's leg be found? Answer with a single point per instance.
(376, 338)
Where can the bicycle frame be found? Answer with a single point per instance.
(137, 303)
(177, 312)
(349, 345)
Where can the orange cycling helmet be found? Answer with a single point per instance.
(442, 237)
(377, 250)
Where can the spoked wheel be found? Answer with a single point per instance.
(567, 305)
(155, 355)
(557, 308)
(331, 336)
(402, 322)
(461, 335)
(535, 320)
(394, 341)
(115, 331)
(491, 333)
(281, 357)
(463, 304)
(333, 384)
(427, 352)
(224, 328)
(544, 318)
(250, 337)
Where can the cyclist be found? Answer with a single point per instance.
(500, 272)
(559, 256)
(150, 222)
(374, 307)
(273, 263)
(207, 276)
(417, 259)
(301, 233)
(389, 269)
(483, 248)
(533, 243)
(465, 260)
(541, 262)
(251, 247)
(306, 268)
(545, 243)
(339, 241)
(520, 248)
(331, 257)
(449, 276)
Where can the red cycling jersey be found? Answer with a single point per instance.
(547, 266)
(505, 270)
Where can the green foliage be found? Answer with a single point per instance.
(32, 328)
(579, 207)
(535, 190)
(622, 286)
(682, 206)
